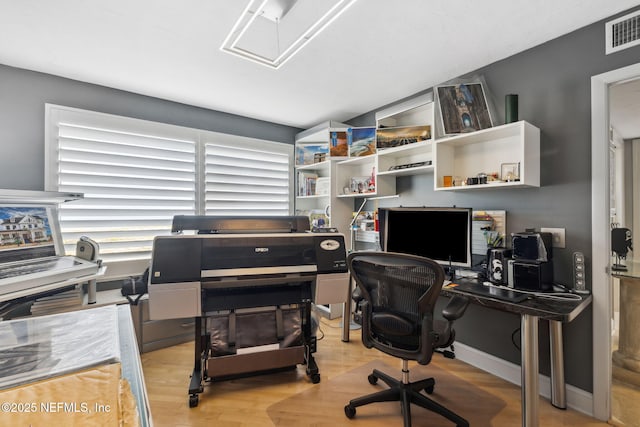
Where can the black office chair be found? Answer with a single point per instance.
(399, 293)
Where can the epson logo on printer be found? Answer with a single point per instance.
(330, 245)
(261, 250)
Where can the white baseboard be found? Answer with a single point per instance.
(577, 399)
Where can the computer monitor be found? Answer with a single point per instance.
(442, 234)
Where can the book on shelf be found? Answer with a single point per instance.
(307, 183)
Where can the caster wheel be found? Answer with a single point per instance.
(315, 378)
(373, 380)
(350, 411)
(429, 389)
(193, 401)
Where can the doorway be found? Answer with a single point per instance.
(601, 237)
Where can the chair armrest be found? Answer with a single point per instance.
(455, 308)
(356, 295)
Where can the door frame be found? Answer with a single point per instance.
(601, 236)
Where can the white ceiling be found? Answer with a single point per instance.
(377, 52)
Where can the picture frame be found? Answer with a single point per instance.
(362, 141)
(338, 144)
(510, 172)
(397, 136)
(307, 154)
(463, 108)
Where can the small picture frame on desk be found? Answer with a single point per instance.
(510, 172)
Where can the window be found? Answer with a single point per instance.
(136, 175)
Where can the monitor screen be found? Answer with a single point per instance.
(442, 234)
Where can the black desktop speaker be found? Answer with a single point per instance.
(497, 265)
(621, 241)
(532, 246)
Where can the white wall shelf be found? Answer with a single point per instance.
(362, 167)
(485, 151)
(405, 155)
(338, 210)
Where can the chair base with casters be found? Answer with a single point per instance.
(405, 392)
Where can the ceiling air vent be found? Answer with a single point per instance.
(623, 32)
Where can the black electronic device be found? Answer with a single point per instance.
(441, 234)
(497, 265)
(579, 273)
(532, 246)
(621, 243)
(534, 276)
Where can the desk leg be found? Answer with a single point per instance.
(558, 388)
(529, 369)
(346, 313)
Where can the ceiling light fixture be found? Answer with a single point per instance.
(270, 32)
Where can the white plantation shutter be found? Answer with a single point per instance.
(136, 175)
(247, 181)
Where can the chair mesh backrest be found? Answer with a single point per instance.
(397, 283)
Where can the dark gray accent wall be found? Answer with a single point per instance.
(23, 95)
(553, 82)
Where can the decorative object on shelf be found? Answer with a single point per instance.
(339, 146)
(510, 172)
(397, 136)
(447, 181)
(621, 243)
(307, 154)
(361, 184)
(510, 108)
(317, 217)
(362, 141)
(463, 108)
(411, 165)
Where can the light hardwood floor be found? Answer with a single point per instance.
(259, 400)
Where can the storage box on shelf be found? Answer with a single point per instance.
(485, 152)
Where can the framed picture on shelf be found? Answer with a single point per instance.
(307, 154)
(510, 172)
(362, 141)
(463, 108)
(339, 146)
(397, 136)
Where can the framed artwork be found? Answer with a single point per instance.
(362, 141)
(311, 153)
(338, 145)
(510, 172)
(463, 108)
(397, 136)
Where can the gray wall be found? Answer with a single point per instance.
(553, 83)
(23, 95)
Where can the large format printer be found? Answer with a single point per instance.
(250, 283)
